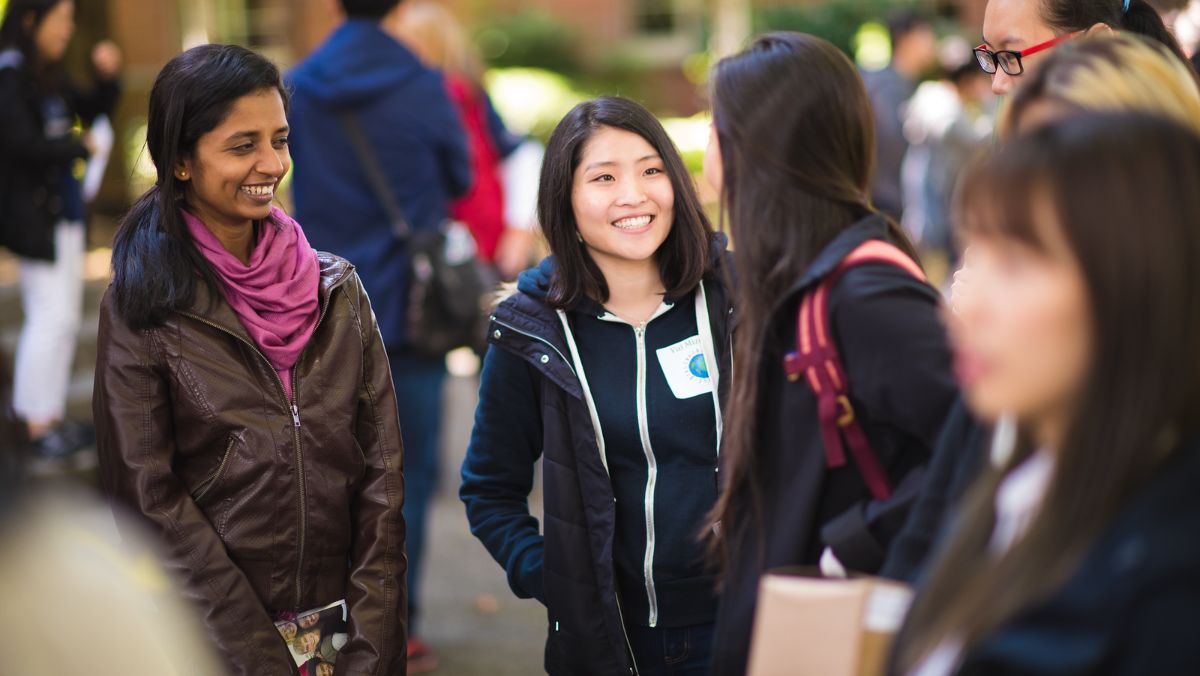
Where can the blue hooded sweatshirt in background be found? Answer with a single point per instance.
(416, 134)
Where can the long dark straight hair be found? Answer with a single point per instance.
(797, 138)
(683, 258)
(155, 263)
(1122, 191)
(14, 34)
(1069, 16)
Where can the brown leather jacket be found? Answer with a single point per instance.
(264, 506)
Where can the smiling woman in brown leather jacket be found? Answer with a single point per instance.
(243, 400)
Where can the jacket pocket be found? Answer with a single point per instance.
(213, 479)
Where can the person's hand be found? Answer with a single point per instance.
(106, 58)
(512, 254)
(960, 290)
(88, 142)
(831, 567)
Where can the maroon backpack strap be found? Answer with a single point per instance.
(816, 359)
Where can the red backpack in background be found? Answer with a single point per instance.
(482, 208)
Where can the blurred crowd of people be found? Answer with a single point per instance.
(706, 405)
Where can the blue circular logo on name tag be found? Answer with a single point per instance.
(698, 367)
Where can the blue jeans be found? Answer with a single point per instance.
(686, 651)
(418, 381)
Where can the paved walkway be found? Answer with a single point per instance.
(470, 615)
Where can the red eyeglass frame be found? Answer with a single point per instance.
(1020, 54)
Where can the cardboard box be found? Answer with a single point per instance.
(809, 626)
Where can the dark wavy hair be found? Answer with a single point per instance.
(797, 140)
(156, 266)
(683, 258)
(1097, 174)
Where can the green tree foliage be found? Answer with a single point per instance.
(837, 21)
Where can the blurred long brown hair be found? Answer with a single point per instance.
(440, 40)
(1122, 188)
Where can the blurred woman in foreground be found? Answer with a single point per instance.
(1077, 555)
(1119, 73)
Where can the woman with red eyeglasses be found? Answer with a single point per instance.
(1017, 32)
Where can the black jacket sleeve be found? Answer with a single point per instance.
(957, 461)
(497, 474)
(893, 346)
(22, 140)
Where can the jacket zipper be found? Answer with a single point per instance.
(303, 500)
(591, 404)
(639, 333)
(300, 456)
(293, 408)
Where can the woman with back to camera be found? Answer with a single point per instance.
(607, 362)
(1077, 555)
(844, 375)
(42, 209)
(243, 401)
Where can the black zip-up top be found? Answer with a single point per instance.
(659, 428)
(628, 429)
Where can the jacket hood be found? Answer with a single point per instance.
(358, 63)
(535, 282)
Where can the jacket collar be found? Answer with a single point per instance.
(525, 310)
(335, 271)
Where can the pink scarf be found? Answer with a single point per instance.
(275, 296)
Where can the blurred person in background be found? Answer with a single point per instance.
(42, 210)
(914, 50)
(1077, 554)
(243, 402)
(1113, 73)
(607, 362)
(798, 211)
(364, 75)
(433, 33)
(948, 123)
(1018, 34)
(1096, 74)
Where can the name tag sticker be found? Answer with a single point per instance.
(684, 366)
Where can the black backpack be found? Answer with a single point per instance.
(448, 288)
